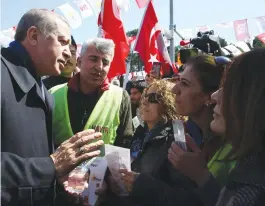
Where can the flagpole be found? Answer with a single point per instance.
(100, 32)
(128, 68)
(180, 36)
(171, 28)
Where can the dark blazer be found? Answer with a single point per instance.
(27, 171)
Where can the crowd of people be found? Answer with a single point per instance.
(58, 111)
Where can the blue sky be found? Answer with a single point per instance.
(187, 14)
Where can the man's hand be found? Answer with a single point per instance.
(80, 147)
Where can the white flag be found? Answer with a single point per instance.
(95, 5)
(71, 15)
(84, 8)
(5, 40)
(78, 51)
(225, 25)
(10, 33)
(260, 22)
(203, 28)
(123, 4)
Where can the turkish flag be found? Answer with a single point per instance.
(142, 3)
(111, 26)
(150, 44)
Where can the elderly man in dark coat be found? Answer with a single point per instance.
(30, 168)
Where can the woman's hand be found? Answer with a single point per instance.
(191, 164)
(114, 187)
(128, 177)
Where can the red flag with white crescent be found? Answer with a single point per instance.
(112, 28)
(150, 43)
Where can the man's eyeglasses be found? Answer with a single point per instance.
(153, 98)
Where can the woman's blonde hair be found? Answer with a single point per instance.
(166, 99)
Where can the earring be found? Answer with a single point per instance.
(209, 103)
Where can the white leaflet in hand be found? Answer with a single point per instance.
(118, 158)
(114, 166)
(97, 173)
(179, 134)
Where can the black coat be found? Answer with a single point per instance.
(27, 171)
(158, 183)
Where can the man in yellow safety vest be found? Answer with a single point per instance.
(89, 101)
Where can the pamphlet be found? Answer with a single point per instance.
(97, 173)
(118, 158)
(179, 134)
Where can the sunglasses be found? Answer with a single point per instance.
(153, 98)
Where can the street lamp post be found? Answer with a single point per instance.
(171, 28)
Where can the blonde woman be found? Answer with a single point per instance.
(151, 141)
(157, 110)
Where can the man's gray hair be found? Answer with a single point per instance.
(44, 20)
(104, 46)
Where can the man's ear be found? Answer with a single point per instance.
(32, 36)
